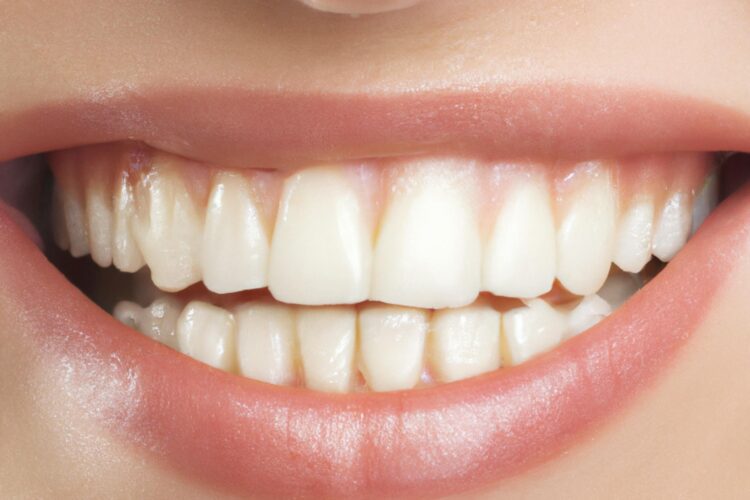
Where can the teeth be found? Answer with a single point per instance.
(532, 330)
(207, 333)
(99, 215)
(327, 339)
(126, 255)
(158, 321)
(589, 311)
(619, 287)
(75, 220)
(673, 228)
(266, 342)
(168, 230)
(633, 247)
(235, 243)
(59, 231)
(392, 342)
(586, 234)
(519, 259)
(465, 342)
(321, 250)
(428, 250)
(706, 201)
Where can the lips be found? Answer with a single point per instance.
(249, 437)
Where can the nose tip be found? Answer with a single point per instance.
(359, 6)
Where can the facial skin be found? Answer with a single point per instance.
(685, 437)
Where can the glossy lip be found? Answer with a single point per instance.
(252, 438)
(246, 127)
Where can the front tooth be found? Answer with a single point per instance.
(464, 342)
(126, 255)
(673, 228)
(207, 333)
(428, 250)
(99, 215)
(706, 201)
(322, 245)
(585, 238)
(633, 247)
(168, 229)
(531, 330)
(327, 339)
(519, 259)
(392, 342)
(589, 311)
(159, 321)
(235, 243)
(266, 342)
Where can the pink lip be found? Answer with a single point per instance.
(248, 437)
(241, 127)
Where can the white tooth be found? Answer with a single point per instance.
(99, 215)
(322, 245)
(428, 250)
(128, 313)
(75, 220)
(168, 229)
(392, 342)
(126, 255)
(464, 342)
(619, 287)
(59, 231)
(633, 247)
(159, 321)
(235, 243)
(673, 227)
(706, 201)
(532, 330)
(585, 239)
(589, 311)
(519, 259)
(207, 333)
(266, 342)
(327, 338)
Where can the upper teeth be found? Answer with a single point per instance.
(423, 233)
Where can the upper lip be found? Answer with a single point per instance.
(246, 127)
(280, 441)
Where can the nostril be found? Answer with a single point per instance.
(359, 6)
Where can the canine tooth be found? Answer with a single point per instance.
(99, 215)
(464, 342)
(75, 221)
(266, 342)
(235, 243)
(673, 228)
(126, 255)
(321, 251)
(519, 259)
(168, 229)
(586, 234)
(633, 247)
(327, 338)
(589, 311)
(706, 201)
(392, 342)
(159, 321)
(428, 251)
(59, 229)
(207, 333)
(532, 330)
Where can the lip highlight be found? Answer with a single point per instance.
(248, 437)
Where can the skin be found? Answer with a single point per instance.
(686, 437)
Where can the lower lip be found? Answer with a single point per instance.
(252, 438)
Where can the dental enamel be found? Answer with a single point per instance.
(391, 255)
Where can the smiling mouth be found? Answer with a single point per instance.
(425, 320)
